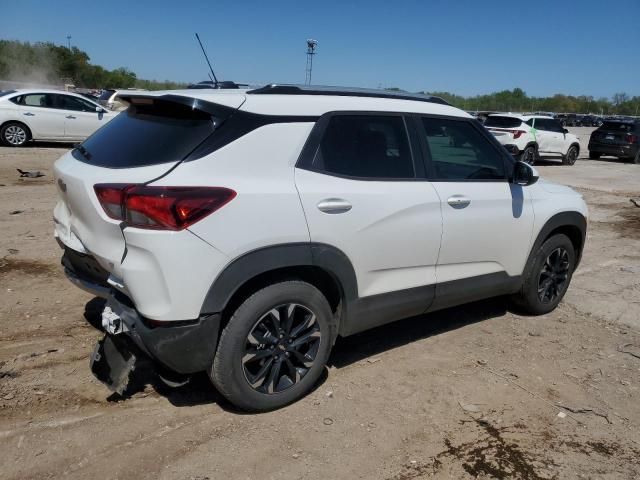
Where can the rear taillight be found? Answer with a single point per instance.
(631, 138)
(518, 133)
(160, 208)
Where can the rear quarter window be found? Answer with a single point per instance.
(143, 135)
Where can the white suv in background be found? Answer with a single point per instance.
(51, 115)
(240, 232)
(535, 137)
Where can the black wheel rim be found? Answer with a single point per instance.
(529, 155)
(553, 276)
(573, 154)
(281, 348)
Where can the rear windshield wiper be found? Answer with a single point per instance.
(85, 153)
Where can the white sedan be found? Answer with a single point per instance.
(51, 115)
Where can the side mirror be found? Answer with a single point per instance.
(564, 130)
(524, 174)
(100, 110)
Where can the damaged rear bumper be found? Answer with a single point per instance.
(183, 346)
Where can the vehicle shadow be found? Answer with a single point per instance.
(373, 342)
(200, 391)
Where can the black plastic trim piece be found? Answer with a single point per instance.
(249, 266)
(239, 124)
(274, 89)
(466, 290)
(559, 220)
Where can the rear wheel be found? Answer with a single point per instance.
(528, 155)
(571, 156)
(275, 347)
(636, 159)
(547, 276)
(594, 155)
(14, 134)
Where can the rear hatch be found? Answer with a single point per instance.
(614, 133)
(139, 145)
(505, 129)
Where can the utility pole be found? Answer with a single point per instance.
(311, 51)
(69, 41)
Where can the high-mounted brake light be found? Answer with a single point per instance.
(160, 208)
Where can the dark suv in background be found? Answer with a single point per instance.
(618, 138)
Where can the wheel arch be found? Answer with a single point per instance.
(571, 224)
(323, 266)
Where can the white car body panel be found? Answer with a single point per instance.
(391, 234)
(493, 233)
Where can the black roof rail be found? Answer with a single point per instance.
(275, 89)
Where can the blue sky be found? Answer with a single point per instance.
(467, 47)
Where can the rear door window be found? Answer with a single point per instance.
(365, 146)
(157, 132)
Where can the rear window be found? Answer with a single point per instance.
(617, 126)
(502, 122)
(159, 132)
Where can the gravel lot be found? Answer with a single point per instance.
(471, 392)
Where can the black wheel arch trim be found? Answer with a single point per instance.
(559, 220)
(304, 254)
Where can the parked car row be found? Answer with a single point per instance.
(577, 120)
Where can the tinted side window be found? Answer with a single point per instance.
(459, 152)
(365, 146)
(37, 100)
(67, 102)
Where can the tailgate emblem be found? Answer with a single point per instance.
(62, 185)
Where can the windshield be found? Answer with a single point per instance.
(502, 122)
(150, 134)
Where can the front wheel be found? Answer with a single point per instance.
(547, 276)
(528, 155)
(275, 347)
(571, 156)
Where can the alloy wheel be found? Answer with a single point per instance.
(281, 348)
(572, 155)
(15, 135)
(553, 276)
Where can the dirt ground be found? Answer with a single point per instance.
(471, 392)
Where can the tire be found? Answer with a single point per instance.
(571, 156)
(636, 159)
(286, 369)
(14, 134)
(528, 155)
(554, 276)
(594, 155)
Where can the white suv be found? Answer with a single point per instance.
(240, 232)
(534, 136)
